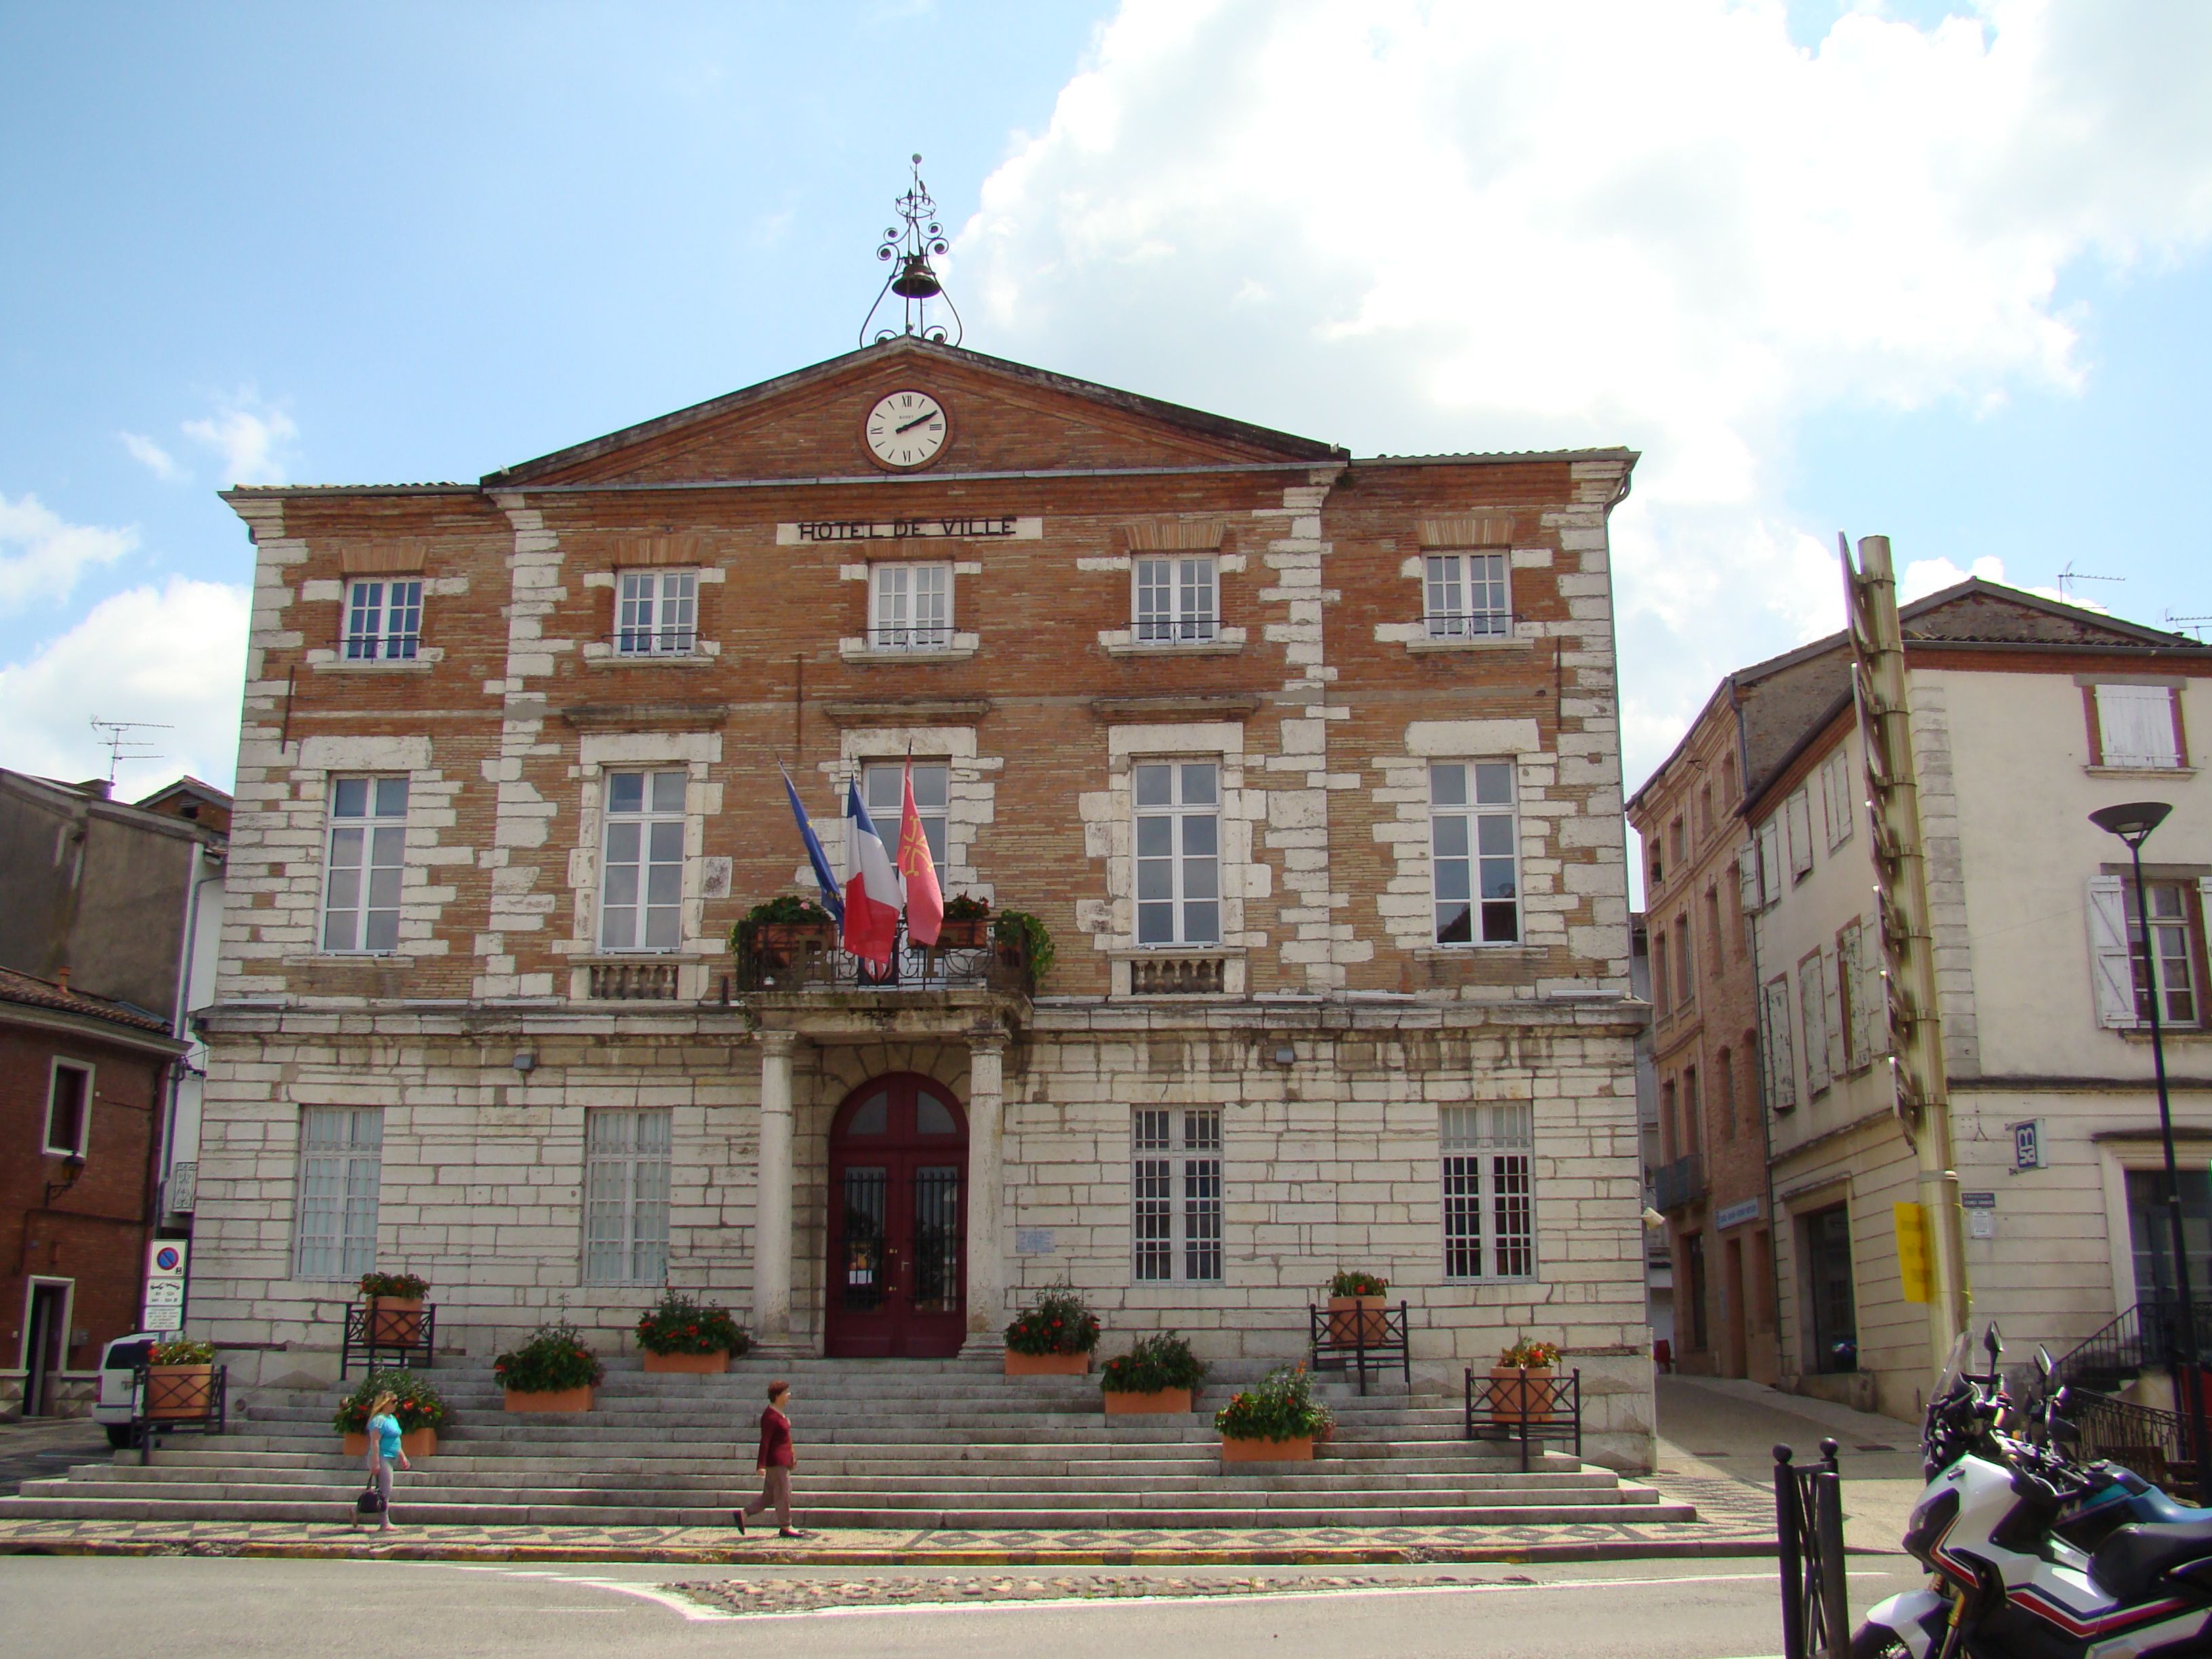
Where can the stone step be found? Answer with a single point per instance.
(1066, 1462)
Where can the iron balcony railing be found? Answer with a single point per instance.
(1682, 1181)
(1469, 624)
(785, 957)
(2137, 1340)
(923, 636)
(2152, 1442)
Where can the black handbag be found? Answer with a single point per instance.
(370, 1502)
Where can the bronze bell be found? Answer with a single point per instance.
(917, 281)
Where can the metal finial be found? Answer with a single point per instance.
(908, 252)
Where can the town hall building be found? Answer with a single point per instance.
(1291, 780)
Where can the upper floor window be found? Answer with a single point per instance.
(882, 784)
(2137, 726)
(911, 607)
(1178, 805)
(1176, 599)
(656, 613)
(367, 848)
(642, 879)
(384, 621)
(1797, 813)
(1685, 978)
(1466, 595)
(1474, 853)
(69, 1110)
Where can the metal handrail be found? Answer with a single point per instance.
(209, 1417)
(362, 1338)
(2153, 1443)
(999, 963)
(1326, 1351)
(2136, 1340)
(1526, 1408)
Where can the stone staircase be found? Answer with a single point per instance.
(882, 1444)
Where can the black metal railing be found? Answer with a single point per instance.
(1809, 1520)
(1353, 1339)
(1525, 1406)
(1469, 624)
(784, 957)
(166, 1400)
(1162, 630)
(1682, 1181)
(2153, 1443)
(410, 1335)
(2137, 1340)
(926, 636)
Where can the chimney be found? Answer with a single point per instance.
(98, 788)
(62, 980)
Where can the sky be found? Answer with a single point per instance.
(1935, 271)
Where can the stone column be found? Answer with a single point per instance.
(772, 1195)
(987, 1250)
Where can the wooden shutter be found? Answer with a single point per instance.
(1799, 811)
(1812, 1007)
(1780, 1066)
(2134, 725)
(2110, 971)
(1770, 862)
(1831, 990)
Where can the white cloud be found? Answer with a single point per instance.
(249, 435)
(1656, 223)
(154, 458)
(174, 655)
(41, 556)
(1926, 576)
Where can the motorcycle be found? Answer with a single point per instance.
(2033, 1554)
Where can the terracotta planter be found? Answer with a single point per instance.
(417, 1443)
(1356, 1319)
(395, 1322)
(1159, 1402)
(963, 935)
(561, 1400)
(1518, 1396)
(1047, 1364)
(782, 944)
(180, 1392)
(687, 1365)
(1300, 1450)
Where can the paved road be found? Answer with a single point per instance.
(184, 1607)
(42, 1448)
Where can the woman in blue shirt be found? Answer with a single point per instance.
(383, 1449)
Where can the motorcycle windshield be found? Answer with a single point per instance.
(1947, 1381)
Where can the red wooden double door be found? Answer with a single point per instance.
(898, 1222)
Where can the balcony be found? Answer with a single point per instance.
(1680, 1183)
(785, 959)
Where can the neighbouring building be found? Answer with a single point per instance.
(1307, 765)
(1709, 1174)
(1659, 1258)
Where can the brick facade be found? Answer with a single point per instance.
(1325, 1023)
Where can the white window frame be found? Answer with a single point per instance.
(1175, 599)
(1176, 1196)
(383, 619)
(627, 1157)
(365, 860)
(635, 860)
(83, 1071)
(1467, 596)
(1486, 1157)
(910, 606)
(1470, 822)
(341, 1149)
(656, 612)
(2138, 727)
(883, 786)
(1193, 877)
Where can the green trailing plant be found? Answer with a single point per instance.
(1057, 1323)
(421, 1405)
(1531, 1355)
(966, 907)
(1159, 1361)
(1019, 929)
(1354, 1281)
(1280, 1407)
(790, 909)
(180, 1353)
(555, 1360)
(677, 1324)
(402, 1287)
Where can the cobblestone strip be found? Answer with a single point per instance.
(766, 1595)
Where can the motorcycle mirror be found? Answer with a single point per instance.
(2043, 1362)
(1994, 1344)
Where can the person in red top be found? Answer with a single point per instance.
(773, 1463)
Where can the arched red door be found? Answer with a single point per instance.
(898, 1222)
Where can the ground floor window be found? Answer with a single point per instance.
(1175, 1183)
(1833, 1334)
(626, 1197)
(1489, 1192)
(341, 1162)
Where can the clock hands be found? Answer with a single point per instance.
(925, 415)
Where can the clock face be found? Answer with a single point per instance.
(907, 429)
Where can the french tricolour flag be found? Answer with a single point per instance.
(872, 892)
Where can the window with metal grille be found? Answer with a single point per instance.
(641, 881)
(384, 621)
(368, 850)
(1177, 600)
(1489, 1191)
(341, 1161)
(626, 1196)
(1175, 1194)
(911, 607)
(657, 614)
(1474, 853)
(1178, 807)
(1467, 597)
(883, 786)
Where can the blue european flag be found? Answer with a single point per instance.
(824, 878)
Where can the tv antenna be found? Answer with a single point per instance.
(122, 746)
(2194, 625)
(2069, 574)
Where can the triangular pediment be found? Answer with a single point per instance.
(1977, 612)
(1004, 417)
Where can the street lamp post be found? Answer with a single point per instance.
(2133, 823)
